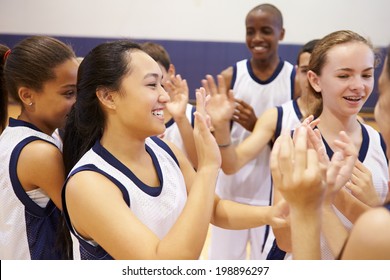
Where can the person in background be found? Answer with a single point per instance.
(40, 74)
(258, 83)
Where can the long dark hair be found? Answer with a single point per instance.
(104, 67)
(31, 63)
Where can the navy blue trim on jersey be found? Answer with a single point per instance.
(193, 110)
(107, 156)
(15, 123)
(164, 146)
(87, 250)
(276, 253)
(279, 119)
(292, 80)
(270, 79)
(234, 76)
(41, 223)
(192, 120)
(363, 148)
(30, 205)
(169, 123)
(297, 110)
(387, 205)
(383, 145)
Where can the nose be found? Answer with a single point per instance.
(163, 96)
(258, 36)
(357, 83)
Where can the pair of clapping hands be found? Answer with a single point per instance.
(302, 171)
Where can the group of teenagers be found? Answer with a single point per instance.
(109, 160)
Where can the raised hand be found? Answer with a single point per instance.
(361, 185)
(297, 172)
(206, 146)
(244, 115)
(177, 89)
(221, 105)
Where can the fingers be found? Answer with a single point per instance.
(274, 163)
(201, 101)
(300, 156)
(221, 84)
(286, 159)
(171, 70)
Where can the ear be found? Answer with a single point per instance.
(26, 95)
(282, 32)
(106, 97)
(314, 80)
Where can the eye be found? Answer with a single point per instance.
(267, 31)
(367, 76)
(69, 93)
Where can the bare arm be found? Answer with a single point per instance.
(177, 89)
(221, 108)
(370, 237)
(40, 166)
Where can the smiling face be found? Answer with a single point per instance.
(263, 33)
(347, 78)
(142, 98)
(53, 103)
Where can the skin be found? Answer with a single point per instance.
(40, 163)
(305, 183)
(106, 218)
(177, 89)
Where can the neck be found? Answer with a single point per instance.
(339, 122)
(27, 118)
(307, 103)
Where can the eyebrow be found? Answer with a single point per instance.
(349, 69)
(154, 75)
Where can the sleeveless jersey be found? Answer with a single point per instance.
(156, 207)
(373, 155)
(252, 183)
(289, 117)
(172, 132)
(27, 231)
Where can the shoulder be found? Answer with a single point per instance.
(40, 153)
(370, 236)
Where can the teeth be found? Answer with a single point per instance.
(259, 48)
(158, 113)
(353, 98)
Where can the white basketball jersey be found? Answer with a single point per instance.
(27, 231)
(252, 183)
(156, 207)
(373, 156)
